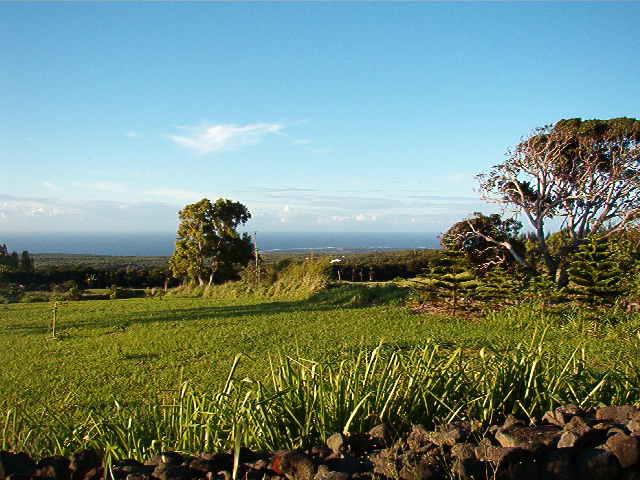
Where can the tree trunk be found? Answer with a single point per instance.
(550, 262)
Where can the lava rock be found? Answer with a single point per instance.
(557, 465)
(324, 473)
(380, 436)
(620, 415)
(517, 464)
(54, 467)
(597, 464)
(13, 464)
(577, 433)
(562, 415)
(532, 438)
(625, 448)
(337, 443)
(450, 434)
(420, 470)
(295, 466)
(86, 465)
(171, 471)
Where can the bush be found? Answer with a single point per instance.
(154, 292)
(34, 297)
(116, 292)
(361, 295)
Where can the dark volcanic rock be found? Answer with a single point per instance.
(577, 433)
(621, 414)
(557, 465)
(15, 464)
(562, 415)
(380, 436)
(529, 437)
(170, 471)
(420, 470)
(337, 443)
(294, 466)
(517, 464)
(419, 439)
(324, 473)
(54, 467)
(597, 464)
(450, 434)
(86, 465)
(625, 448)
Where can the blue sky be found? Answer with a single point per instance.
(317, 116)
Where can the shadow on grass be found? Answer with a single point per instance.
(121, 321)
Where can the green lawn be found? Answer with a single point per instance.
(131, 350)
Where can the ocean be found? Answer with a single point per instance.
(162, 244)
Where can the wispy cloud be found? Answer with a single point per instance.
(132, 134)
(51, 186)
(172, 194)
(218, 138)
(301, 141)
(110, 187)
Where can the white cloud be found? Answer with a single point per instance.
(132, 134)
(284, 214)
(217, 138)
(51, 186)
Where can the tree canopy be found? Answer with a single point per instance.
(585, 172)
(487, 240)
(207, 240)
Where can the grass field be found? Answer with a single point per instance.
(134, 350)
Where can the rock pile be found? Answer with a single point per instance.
(568, 443)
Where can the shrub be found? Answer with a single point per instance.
(34, 297)
(116, 292)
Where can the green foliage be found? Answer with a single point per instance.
(10, 261)
(207, 240)
(69, 290)
(116, 292)
(488, 369)
(362, 295)
(544, 290)
(499, 285)
(300, 402)
(471, 237)
(586, 172)
(594, 273)
(452, 274)
(26, 262)
(285, 279)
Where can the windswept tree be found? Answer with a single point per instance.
(488, 241)
(207, 240)
(584, 172)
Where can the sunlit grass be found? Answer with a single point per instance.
(141, 375)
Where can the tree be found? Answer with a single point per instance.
(26, 262)
(486, 240)
(586, 172)
(499, 284)
(595, 275)
(207, 240)
(451, 273)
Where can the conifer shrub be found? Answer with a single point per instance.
(594, 274)
(499, 285)
(451, 277)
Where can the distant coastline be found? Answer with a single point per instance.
(162, 244)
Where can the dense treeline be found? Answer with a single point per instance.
(382, 267)
(11, 262)
(88, 277)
